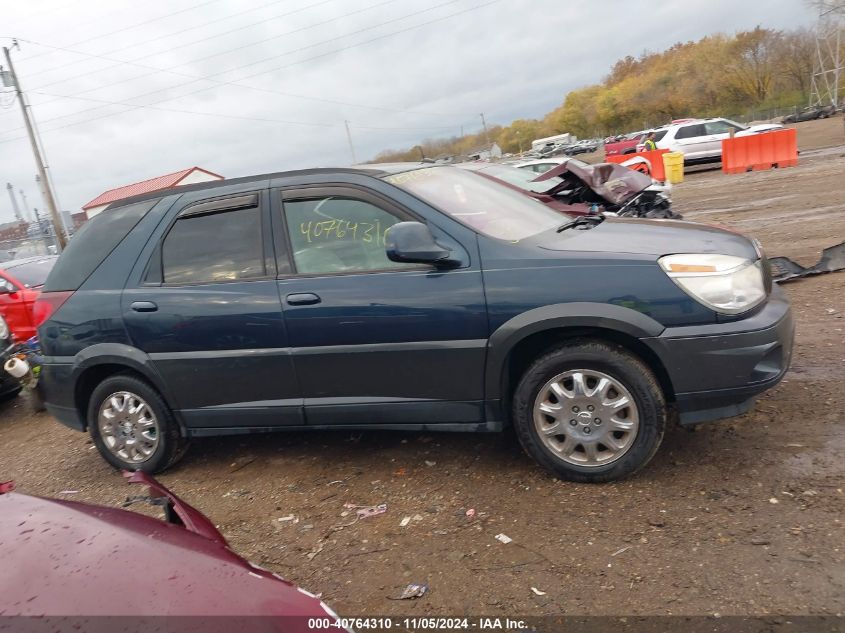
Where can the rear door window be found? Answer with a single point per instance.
(720, 127)
(93, 243)
(690, 131)
(213, 243)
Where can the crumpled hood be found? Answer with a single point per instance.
(649, 237)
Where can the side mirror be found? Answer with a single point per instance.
(413, 242)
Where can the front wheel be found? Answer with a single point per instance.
(589, 411)
(132, 426)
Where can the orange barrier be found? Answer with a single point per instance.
(760, 151)
(655, 157)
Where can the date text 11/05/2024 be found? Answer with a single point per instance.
(418, 623)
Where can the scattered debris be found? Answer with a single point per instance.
(235, 466)
(401, 472)
(537, 592)
(430, 463)
(619, 551)
(760, 541)
(290, 517)
(365, 512)
(659, 523)
(404, 522)
(68, 492)
(412, 591)
(470, 513)
(504, 538)
(773, 500)
(312, 554)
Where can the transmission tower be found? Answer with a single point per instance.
(828, 63)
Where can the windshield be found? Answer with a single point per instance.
(33, 274)
(478, 202)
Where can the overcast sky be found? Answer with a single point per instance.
(250, 86)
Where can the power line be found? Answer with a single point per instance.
(378, 38)
(229, 83)
(157, 70)
(132, 26)
(165, 36)
(286, 53)
(248, 118)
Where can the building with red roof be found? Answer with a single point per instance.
(184, 177)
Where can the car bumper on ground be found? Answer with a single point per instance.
(717, 370)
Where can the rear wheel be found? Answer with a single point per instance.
(589, 411)
(132, 426)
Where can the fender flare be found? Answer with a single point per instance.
(121, 354)
(606, 316)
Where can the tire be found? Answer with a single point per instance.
(168, 445)
(592, 359)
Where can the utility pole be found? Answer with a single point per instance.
(61, 240)
(43, 190)
(351, 146)
(484, 125)
(15, 207)
(25, 206)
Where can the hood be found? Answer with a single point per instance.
(610, 181)
(649, 237)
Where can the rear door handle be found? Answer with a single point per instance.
(302, 299)
(143, 306)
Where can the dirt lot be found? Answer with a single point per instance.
(740, 517)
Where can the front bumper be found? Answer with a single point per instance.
(717, 370)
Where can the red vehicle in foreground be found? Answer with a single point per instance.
(68, 562)
(20, 284)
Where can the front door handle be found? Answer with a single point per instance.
(302, 299)
(144, 306)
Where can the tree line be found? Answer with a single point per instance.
(718, 75)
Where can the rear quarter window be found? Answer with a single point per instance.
(690, 131)
(93, 243)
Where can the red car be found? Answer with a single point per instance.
(20, 285)
(628, 145)
(68, 562)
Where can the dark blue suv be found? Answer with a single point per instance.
(402, 297)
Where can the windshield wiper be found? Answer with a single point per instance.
(587, 221)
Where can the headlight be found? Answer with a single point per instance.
(4, 329)
(724, 283)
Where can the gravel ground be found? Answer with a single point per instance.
(742, 516)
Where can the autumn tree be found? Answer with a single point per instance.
(715, 76)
